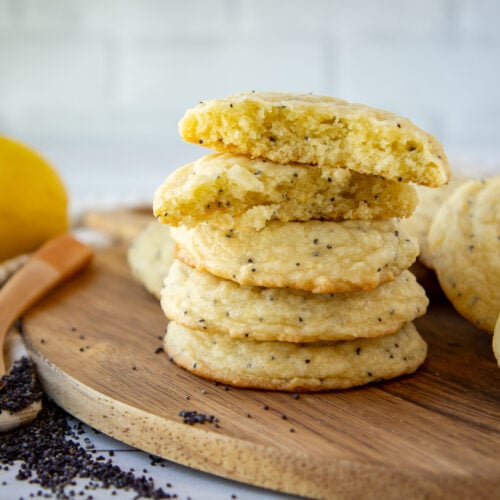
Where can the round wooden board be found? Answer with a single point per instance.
(434, 434)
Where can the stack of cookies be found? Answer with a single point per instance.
(291, 268)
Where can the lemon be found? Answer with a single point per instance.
(33, 200)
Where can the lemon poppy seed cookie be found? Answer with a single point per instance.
(202, 301)
(430, 200)
(287, 366)
(150, 255)
(317, 130)
(464, 240)
(225, 188)
(318, 256)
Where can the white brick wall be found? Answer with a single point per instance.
(99, 85)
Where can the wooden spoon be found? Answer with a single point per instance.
(54, 262)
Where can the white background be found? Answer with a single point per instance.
(98, 86)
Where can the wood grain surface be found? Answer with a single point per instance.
(435, 434)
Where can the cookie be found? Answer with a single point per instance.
(318, 256)
(496, 341)
(430, 199)
(317, 130)
(150, 254)
(287, 366)
(202, 301)
(225, 188)
(464, 240)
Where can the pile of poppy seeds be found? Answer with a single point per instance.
(20, 387)
(48, 453)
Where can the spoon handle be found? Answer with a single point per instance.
(54, 262)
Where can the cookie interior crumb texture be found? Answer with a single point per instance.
(227, 189)
(317, 130)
